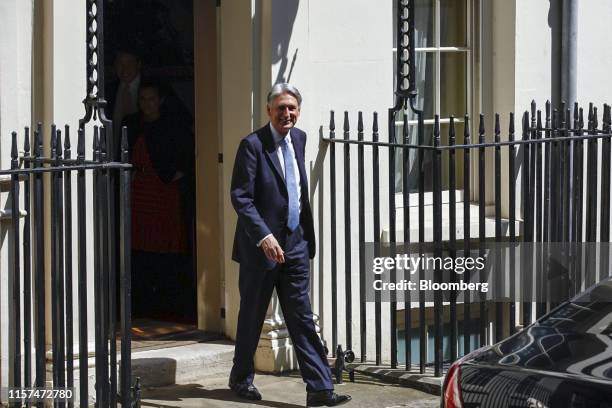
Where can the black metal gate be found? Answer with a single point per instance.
(558, 198)
(43, 186)
(43, 252)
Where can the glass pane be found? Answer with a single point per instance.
(453, 84)
(425, 84)
(424, 23)
(453, 23)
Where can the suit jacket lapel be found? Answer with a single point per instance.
(298, 147)
(270, 148)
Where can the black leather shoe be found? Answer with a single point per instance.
(325, 398)
(245, 390)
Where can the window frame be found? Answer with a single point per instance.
(472, 52)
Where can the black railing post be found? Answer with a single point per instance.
(111, 278)
(512, 220)
(333, 244)
(499, 306)
(575, 182)
(467, 319)
(547, 216)
(538, 199)
(539, 185)
(591, 226)
(526, 289)
(55, 307)
(125, 276)
(579, 182)
(376, 220)
(437, 238)
(568, 187)
(406, 204)
(105, 267)
(422, 317)
(549, 189)
(567, 179)
(452, 235)
(539, 209)
(27, 268)
(604, 229)
(561, 203)
(347, 237)
(97, 272)
(68, 267)
(532, 170)
(483, 309)
(59, 262)
(362, 269)
(554, 169)
(592, 196)
(15, 276)
(82, 272)
(392, 240)
(39, 277)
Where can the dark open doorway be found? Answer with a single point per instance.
(149, 55)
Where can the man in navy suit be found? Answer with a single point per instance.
(274, 243)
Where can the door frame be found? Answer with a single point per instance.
(207, 167)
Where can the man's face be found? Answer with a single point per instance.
(127, 67)
(283, 112)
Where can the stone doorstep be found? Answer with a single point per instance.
(162, 366)
(181, 364)
(412, 379)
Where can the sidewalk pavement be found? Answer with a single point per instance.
(285, 391)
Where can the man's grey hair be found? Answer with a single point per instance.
(283, 88)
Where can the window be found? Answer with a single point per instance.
(443, 76)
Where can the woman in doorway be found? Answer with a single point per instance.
(160, 152)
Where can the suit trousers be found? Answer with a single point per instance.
(292, 281)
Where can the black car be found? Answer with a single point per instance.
(564, 359)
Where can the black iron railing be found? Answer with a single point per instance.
(558, 163)
(95, 239)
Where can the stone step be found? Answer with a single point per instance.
(182, 364)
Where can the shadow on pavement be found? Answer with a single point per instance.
(195, 391)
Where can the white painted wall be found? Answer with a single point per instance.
(594, 61)
(532, 59)
(15, 91)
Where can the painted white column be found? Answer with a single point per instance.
(275, 352)
(235, 122)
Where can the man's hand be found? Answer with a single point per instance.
(273, 250)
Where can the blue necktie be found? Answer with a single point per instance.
(293, 218)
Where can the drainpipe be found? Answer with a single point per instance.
(569, 34)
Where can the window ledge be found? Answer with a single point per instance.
(446, 228)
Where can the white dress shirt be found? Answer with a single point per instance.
(278, 139)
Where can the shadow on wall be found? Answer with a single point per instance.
(283, 17)
(316, 183)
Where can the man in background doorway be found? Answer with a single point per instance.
(123, 96)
